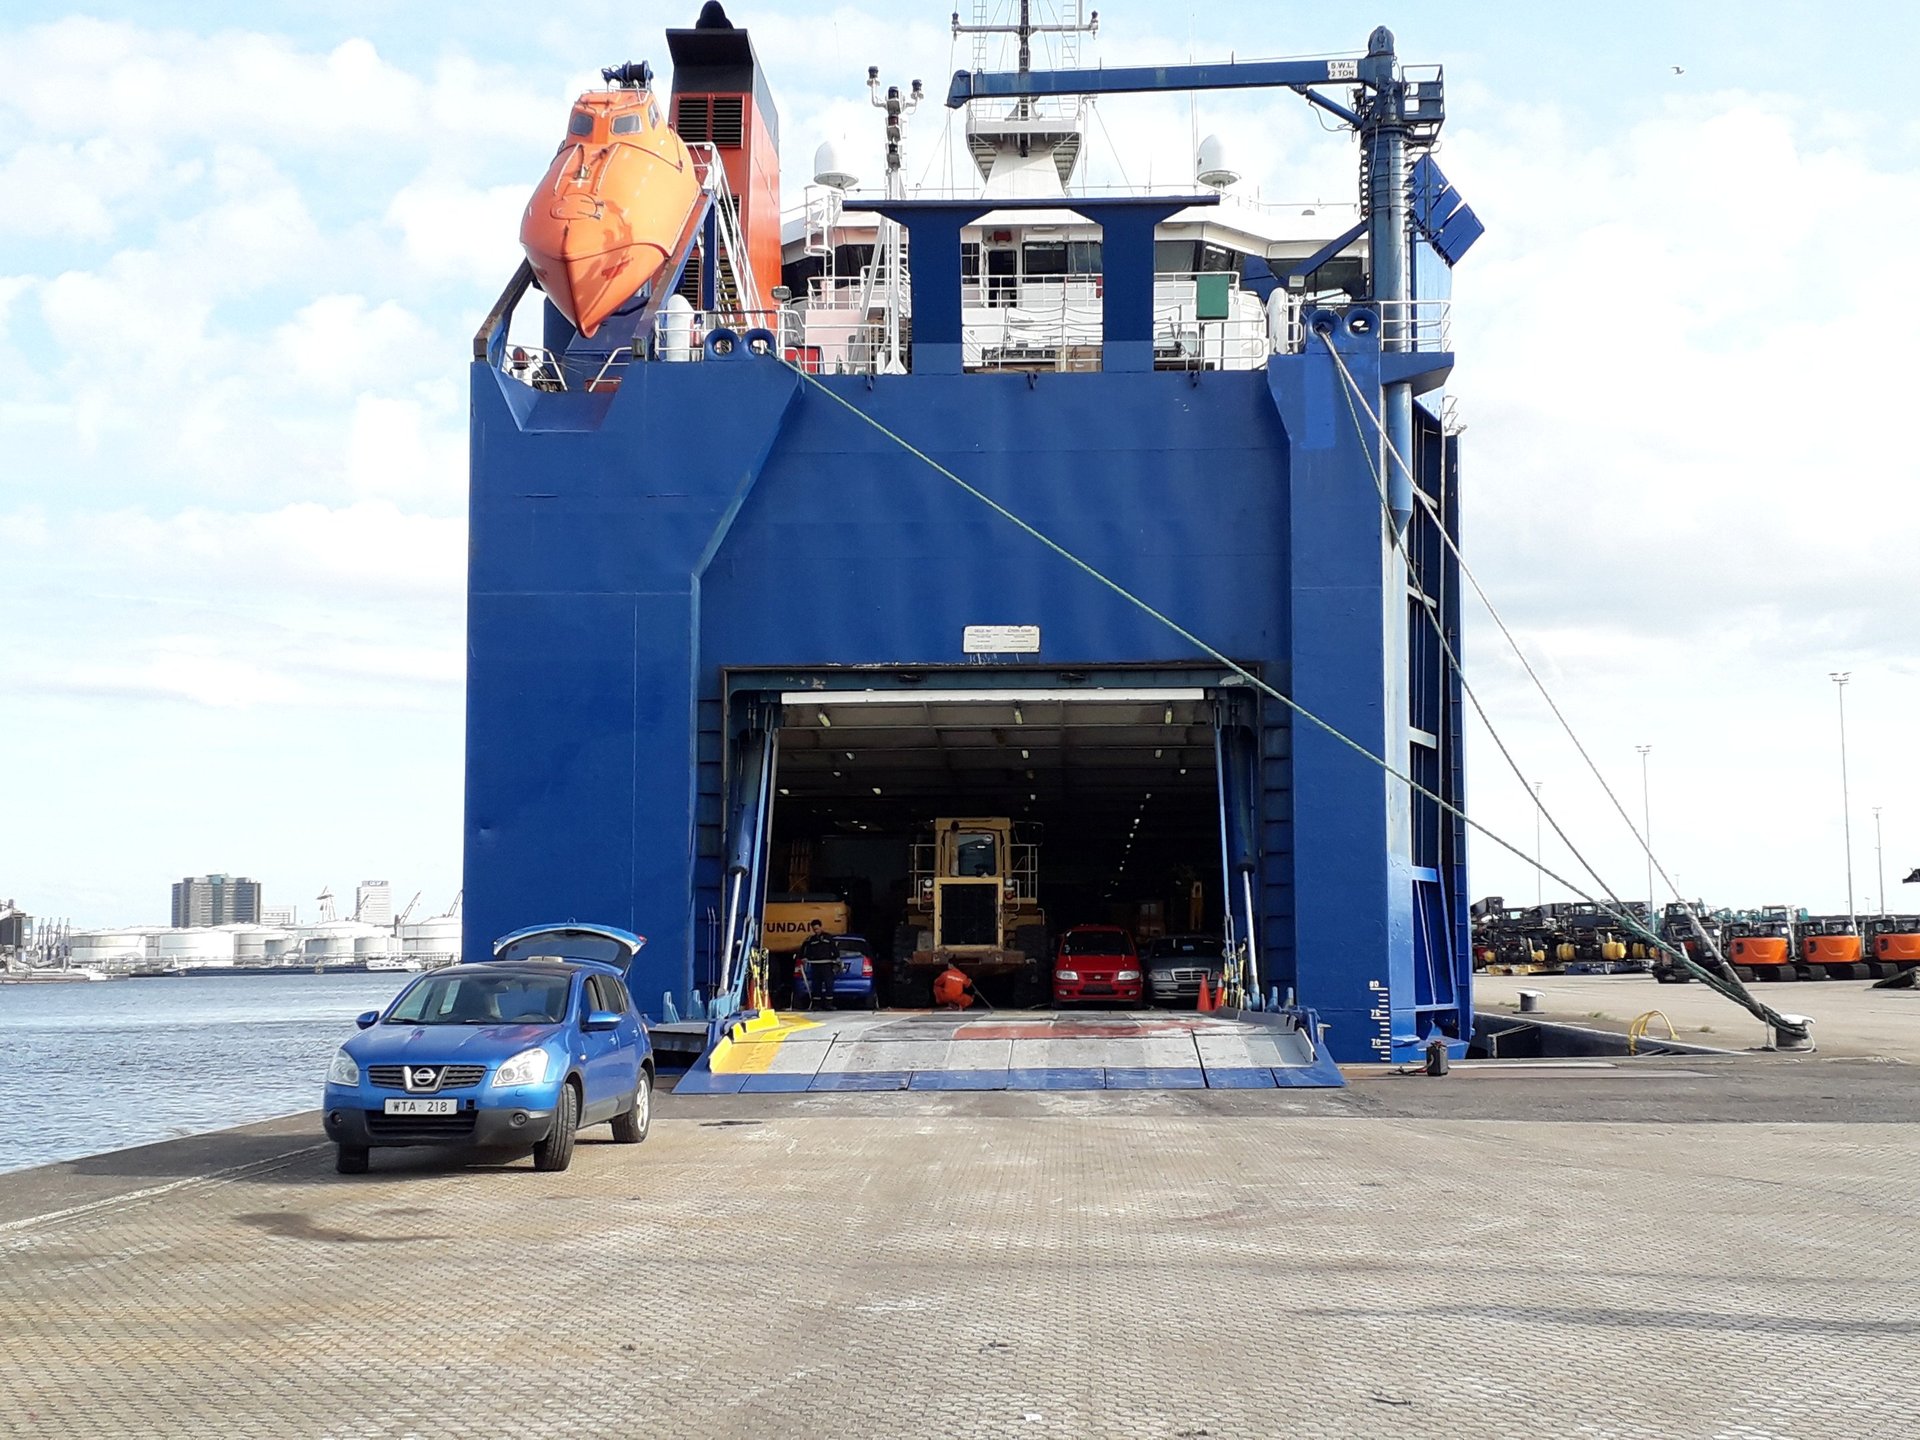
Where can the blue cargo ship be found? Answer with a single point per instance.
(1122, 515)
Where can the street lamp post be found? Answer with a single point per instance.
(1538, 894)
(1840, 678)
(1879, 860)
(1646, 827)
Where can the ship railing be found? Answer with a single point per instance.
(713, 178)
(1422, 325)
(534, 366)
(697, 335)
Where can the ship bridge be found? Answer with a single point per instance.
(751, 607)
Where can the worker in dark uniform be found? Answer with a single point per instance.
(820, 953)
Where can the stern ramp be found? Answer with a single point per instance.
(769, 1053)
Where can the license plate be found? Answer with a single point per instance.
(400, 1106)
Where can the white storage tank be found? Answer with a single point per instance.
(332, 943)
(250, 942)
(199, 946)
(433, 941)
(109, 947)
(375, 947)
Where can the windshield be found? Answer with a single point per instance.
(1097, 942)
(1180, 946)
(973, 855)
(470, 999)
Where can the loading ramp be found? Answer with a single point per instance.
(1012, 1050)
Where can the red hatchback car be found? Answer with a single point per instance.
(1096, 962)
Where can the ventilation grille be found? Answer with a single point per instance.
(715, 119)
(729, 121)
(693, 117)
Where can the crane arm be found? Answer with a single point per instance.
(1134, 79)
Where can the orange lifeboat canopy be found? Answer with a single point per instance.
(614, 203)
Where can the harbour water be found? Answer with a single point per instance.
(89, 1068)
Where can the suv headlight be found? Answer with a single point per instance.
(1066, 974)
(529, 1067)
(1128, 975)
(343, 1071)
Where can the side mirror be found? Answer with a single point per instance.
(602, 1020)
(370, 1017)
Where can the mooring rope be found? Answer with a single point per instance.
(1713, 981)
(1723, 981)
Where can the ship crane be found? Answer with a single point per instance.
(401, 919)
(1391, 113)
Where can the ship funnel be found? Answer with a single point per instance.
(1210, 165)
(721, 99)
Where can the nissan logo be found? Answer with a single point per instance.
(423, 1078)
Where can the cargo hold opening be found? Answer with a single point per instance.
(1113, 794)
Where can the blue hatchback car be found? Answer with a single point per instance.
(515, 1052)
(853, 981)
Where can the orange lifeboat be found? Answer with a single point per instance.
(615, 201)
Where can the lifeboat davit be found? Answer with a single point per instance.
(615, 202)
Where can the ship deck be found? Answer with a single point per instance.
(1714, 1247)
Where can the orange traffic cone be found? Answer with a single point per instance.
(1208, 1004)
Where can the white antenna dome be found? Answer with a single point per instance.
(830, 168)
(1210, 166)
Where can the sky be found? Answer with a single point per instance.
(243, 249)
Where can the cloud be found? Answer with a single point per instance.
(366, 549)
(472, 232)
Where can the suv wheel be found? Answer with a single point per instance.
(556, 1151)
(352, 1160)
(631, 1128)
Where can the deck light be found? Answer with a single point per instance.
(1025, 756)
(1169, 719)
(785, 791)
(824, 721)
(876, 789)
(1018, 718)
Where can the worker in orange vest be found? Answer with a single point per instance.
(952, 990)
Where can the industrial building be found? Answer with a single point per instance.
(215, 900)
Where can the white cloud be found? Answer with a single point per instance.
(456, 230)
(369, 548)
(169, 85)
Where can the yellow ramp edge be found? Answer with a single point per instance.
(749, 1048)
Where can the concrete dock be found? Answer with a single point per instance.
(1720, 1248)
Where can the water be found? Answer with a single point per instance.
(86, 1068)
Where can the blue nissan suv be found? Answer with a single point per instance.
(516, 1052)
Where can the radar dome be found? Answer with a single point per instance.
(830, 168)
(1210, 166)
